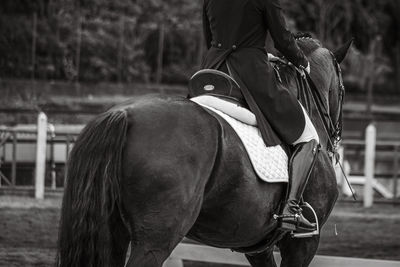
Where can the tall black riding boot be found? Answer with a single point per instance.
(300, 167)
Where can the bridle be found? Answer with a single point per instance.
(337, 127)
(333, 129)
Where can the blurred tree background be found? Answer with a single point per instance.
(160, 41)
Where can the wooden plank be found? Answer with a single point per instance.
(361, 180)
(360, 142)
(192, 252)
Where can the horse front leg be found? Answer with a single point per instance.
(298, 252)
(264, 259)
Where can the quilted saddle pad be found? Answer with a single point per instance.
(270, 163)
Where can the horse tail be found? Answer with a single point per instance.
(92, 192)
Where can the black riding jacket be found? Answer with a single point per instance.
(235, 33)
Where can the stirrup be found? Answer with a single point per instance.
(302, 235)
(309, 234)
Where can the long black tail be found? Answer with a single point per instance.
(91, 192)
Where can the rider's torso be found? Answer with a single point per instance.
(237, 23)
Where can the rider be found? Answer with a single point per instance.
(235, 33)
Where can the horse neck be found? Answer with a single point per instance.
(322, 74)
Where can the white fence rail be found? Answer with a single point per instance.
(58, 152)
(368, 178)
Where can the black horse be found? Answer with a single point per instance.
(156, 169)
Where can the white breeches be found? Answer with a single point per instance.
(309, 132)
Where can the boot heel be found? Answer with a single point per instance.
(288, 226)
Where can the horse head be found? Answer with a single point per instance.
(337, 91)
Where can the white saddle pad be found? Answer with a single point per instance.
(270, 163)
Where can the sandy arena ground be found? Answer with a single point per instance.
(28, 232)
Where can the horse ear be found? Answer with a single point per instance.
(341, 53)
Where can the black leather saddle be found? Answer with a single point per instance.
(216, 83)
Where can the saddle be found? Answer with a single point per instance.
(220, 93)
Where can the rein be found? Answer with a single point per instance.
(332, 130)
(337, 135)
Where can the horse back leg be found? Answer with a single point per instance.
(298, 252)
(157, 231)
(264, 259)
(161, 205)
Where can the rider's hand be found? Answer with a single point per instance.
(306, 69)
(271, 57)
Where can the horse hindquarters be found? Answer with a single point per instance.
(168, 159)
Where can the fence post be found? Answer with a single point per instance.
(40, 155)
(53, 173)
(370, 141)
(396, 170)
(67, 148)
(346, 188)
(14, 160)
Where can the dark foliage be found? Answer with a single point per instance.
(98, 40)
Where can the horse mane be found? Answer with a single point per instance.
(318, 56)
(307, 44)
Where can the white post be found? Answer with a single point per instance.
(40, 155)
(369, 164)
(340, 177)
(346, 189)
